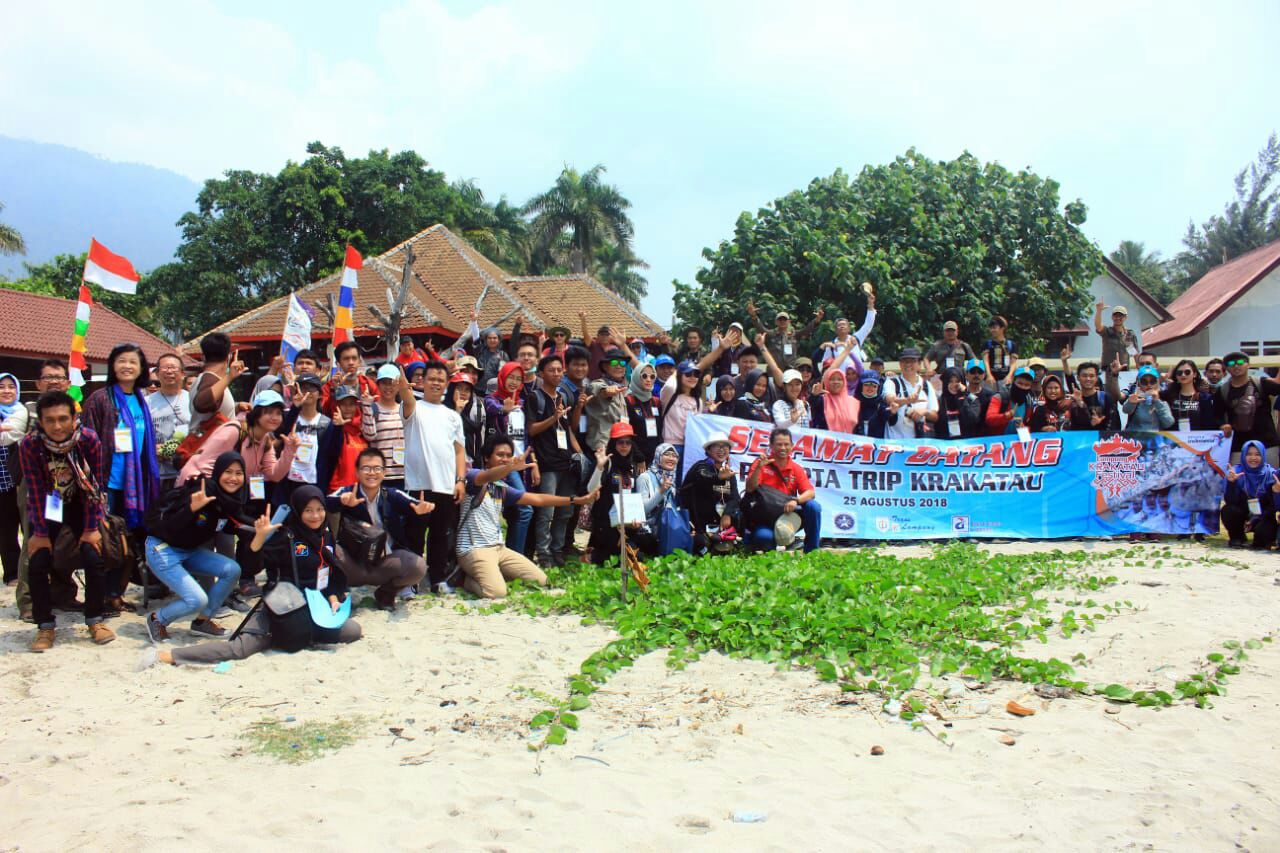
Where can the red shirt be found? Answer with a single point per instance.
(789, 479)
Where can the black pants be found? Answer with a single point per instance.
(432, 535)
(40, 565)
(10, 524)
(1234, 518)
(605, 543)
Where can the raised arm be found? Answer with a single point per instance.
(1097, 317)
(869, 322)
(774, 370)
(407, 401)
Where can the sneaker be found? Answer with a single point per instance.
(100, 633)
(207, 627)
(407, 592)
(156, 629)
(223, 612)
(43, 641)
(236, 603)
(558, 558)
(443, 588)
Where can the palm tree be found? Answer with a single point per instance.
(615, 268)
(1132, 256)
(497, 230)
(11, 242)
(591, 211)
(1147, 269)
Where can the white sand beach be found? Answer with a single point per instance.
(96, 755)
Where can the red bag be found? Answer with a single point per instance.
(195, 439)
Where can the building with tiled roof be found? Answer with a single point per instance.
(1235, 306)
(449, 275)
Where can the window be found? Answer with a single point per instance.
(1271, 347)
(1251, 348)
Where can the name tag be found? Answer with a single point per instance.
(124, 440)
(515, 422)
(562, 439)
(1131, 349)
(1255, 506)
(397, 454)
(582, 423)
(1184, 425)
(651, 427)
(306, 452)
(951, 362)
(733, 368)
(257, 487)
(217, 528)
(1024, 434)
(786, 349)
(53, 507)
(322, 577)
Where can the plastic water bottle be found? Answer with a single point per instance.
(743, 816)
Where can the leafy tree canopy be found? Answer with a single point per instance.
(939, 240)
(1147, 269)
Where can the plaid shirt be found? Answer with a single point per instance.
(34, 458)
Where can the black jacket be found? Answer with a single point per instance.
(279, 565)
(172, 521)
(699, 494)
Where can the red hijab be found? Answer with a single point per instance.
(503, 373)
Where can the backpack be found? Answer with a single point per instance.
(192, 444)
(1243, 411)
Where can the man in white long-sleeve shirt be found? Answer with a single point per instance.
(832, 349)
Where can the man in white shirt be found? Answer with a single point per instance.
(435, 469)
(170, 412)
(914, 397)
(831, 349)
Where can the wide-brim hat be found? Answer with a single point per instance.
(786, 527)
(716, 438)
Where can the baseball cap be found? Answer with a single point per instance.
(466, 361)
(664, 359)
(1147, 371)
(1037, 362)
(869, 376)
(310, 379)
(909, 352)
(621, 430)
(804, 362)
(975, 364)
(688, 367)
(1024, 371)
(1119, 309)
(791, 376)
(388, 371)
(460, 377)
(950, 324)
(782, 314)
(344, 392)
(267, 398)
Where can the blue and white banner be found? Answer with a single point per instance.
(1056, 485)
(297, 329)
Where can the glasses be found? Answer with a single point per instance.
(1147, 383)
(1236, 362)
(616, 362)
(58, 378)
(1185, 373)
(371, 469)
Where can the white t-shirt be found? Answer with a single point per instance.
(303, 469)
(898, 386)
(430, 461)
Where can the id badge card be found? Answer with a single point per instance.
(733, 368)
(1255, 506)
(124, 440)
(258, 487)
(651, 427)
(397, 454)
(786, 349)
(53, 507)
(306, 452)
(515, 422)
(951, 362)
(562, 439)
(322, 577)
(582, 423)
(1024, 434)
(1184, 425)
(1131, 349)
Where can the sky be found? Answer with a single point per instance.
(699, 111)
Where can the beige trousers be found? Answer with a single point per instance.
(488, 569)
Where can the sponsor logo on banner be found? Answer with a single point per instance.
(1116, 464)
(959, 524)
(846, 522)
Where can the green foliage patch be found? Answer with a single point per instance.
(295, 744)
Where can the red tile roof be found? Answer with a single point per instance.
(38, 326)
(1213, 294)
(448, 277)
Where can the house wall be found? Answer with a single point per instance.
(1255, 316)
(1114, 293)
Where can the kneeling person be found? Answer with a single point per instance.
(488, 563)
(397, 567)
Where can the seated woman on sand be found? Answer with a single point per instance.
(303, 552)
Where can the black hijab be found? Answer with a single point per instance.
(301, 532)
(230, 504)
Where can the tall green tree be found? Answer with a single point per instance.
(585, 208)
(1251, 220)
(11, 242)
(615, 267)
(953, 239)
(1147, 269)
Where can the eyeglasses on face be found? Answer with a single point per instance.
(371, 469)
(1236, 362)
(57, 377)
(1186, 373)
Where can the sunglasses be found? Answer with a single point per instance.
(1147, 383)
(1185, 373)
(1236, 362)
(616, 362)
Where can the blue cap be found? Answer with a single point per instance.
(389, 371)
(869, 376)
(664, 359)
(975, 364)
(267, 398)
(1147, 371)
(1024, 371)
(688, 367)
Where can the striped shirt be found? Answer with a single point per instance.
(384, 430)
(481, 525)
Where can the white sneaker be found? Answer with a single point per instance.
(443, 588)
(407, 592)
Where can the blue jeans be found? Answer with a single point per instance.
(174, 566)
(518, 518)
(810, 517)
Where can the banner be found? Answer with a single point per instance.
(1059, 484)
(297, 329)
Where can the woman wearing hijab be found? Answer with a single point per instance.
(505, 406)
(305, 548)
(752, 405)
(1057, 412)
(181, 530)
(620, 465)
(710, 493)
(644, 410)
(1250, 502)
(13, 426)
(461, 397)
(726, 393)
(657, 485)
(873, 411)
(835, 409)
(949, 402)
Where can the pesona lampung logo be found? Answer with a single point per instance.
(1116, 464)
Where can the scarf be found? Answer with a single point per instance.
(840, 409)
(141, 470)
(301, 532)
(503, 373)
(637, 390)
(59, 448)
(7, 409)
(722, 383)
(230, 504)
(1255, 481)
(657, 455)
(749, 383)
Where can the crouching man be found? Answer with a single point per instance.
(62, 467)
(397, 567)
(778, 471)
(488, 563)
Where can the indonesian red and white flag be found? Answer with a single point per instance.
(109, 270)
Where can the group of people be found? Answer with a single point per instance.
(474, 466)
